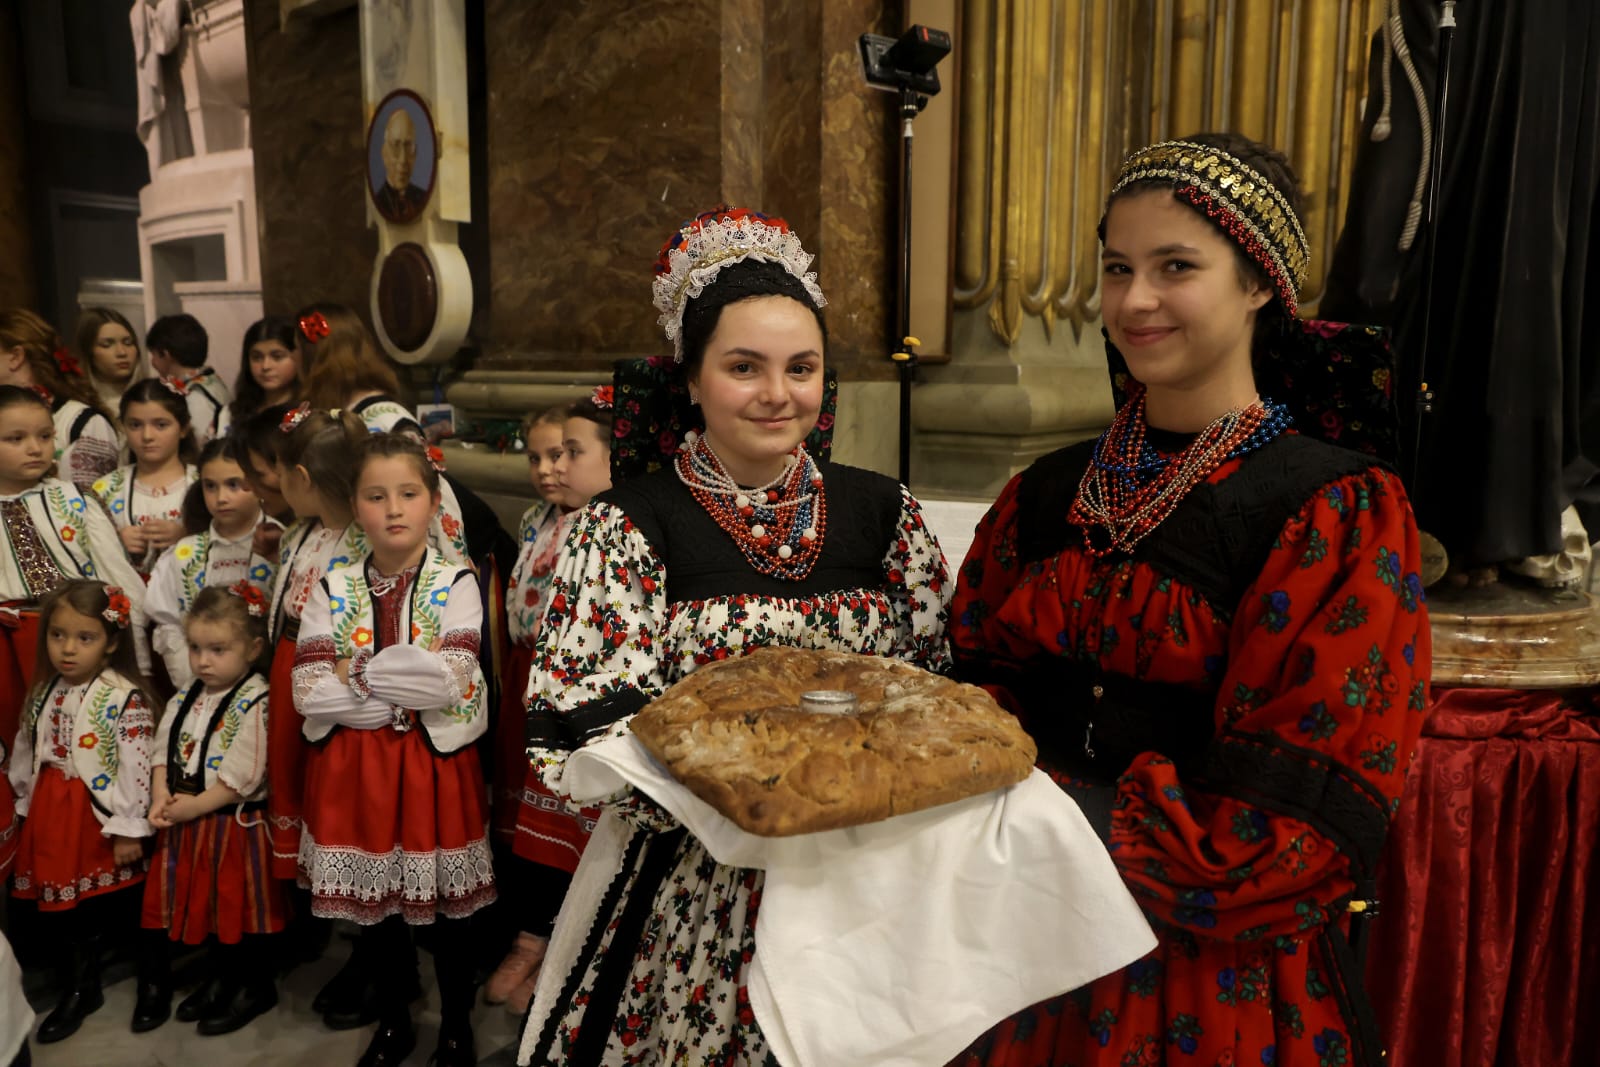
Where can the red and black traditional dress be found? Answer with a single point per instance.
(395, 806)
(656, 588)
(81, 774)
(212, 876)
(1239, 695)
(307, 552)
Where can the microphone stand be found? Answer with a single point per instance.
(904, 353)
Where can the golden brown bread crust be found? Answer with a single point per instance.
(734, 734)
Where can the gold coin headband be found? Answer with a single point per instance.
(1233, 195)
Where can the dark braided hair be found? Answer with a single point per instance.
(737, 282)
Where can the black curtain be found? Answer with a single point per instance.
(1515, 437)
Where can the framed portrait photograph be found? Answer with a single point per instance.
(402, 156)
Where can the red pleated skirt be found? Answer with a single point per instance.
(212, 877)
(286, 763)
(62, 857)
(510, 742)
(391, 828)
(19, 646)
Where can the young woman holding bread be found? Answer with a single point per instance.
(746, 537)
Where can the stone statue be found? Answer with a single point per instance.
(163, 124)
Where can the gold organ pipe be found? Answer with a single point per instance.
(1055, 92)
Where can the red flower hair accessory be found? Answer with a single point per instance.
(602, 397)
(65, 361)
(294, 417)
(692, 258)
(254, 602)
(436, 458)
(176, 385)
(119, 609)
(315, 327)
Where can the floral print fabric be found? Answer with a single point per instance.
(612, 629)
(1323, 664)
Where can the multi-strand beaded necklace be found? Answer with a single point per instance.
(778, 526)
(1130, 487)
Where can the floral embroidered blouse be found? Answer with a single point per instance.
(99, 733)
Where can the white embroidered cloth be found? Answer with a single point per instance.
(897, 943)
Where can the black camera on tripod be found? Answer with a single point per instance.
(906, 64)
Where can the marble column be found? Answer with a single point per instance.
(611, 122)
(308, 127)
(17, 287)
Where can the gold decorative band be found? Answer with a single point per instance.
(1248, 207)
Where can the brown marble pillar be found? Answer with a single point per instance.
(308, 131)
(17, 288)
(610, 122)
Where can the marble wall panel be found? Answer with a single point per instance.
(604, 132)
(858, 191)
(17, 288)
(308, 128)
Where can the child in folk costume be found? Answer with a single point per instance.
(547, 838)
(81, 772)
(145, 497)
(525, 607)
(51, 534)
(221, 553)
(210, 876)
(255, 442)
(387, 678)
(178, 346)
(269, 373)
(315, 476)
(33, 357)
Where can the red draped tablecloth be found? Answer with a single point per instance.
(1486, 952)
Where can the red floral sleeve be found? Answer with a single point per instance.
(1318, 714)
(981, 648)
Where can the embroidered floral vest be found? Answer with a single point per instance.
(193, 554)
(115, 491)
(218, 735)
(354, 629)
(94, 733)
(58, 513)
(352, 548)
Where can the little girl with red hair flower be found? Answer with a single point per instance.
(212, 879)
(80, 768)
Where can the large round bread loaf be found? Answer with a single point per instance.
(734, 734)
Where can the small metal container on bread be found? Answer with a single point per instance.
(829, 701)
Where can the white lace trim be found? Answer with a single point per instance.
(397, 877)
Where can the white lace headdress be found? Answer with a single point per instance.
(696, 254)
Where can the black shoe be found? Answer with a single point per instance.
(389, 1046)
(74, 1006)
(366, 1005)
(455, 1052)
(202, 1001)
(153, 1006)
(341, 991)
(237, 1010)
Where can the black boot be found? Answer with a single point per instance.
(382, 971)
(248, 991)
(390, 1046)
(153, 1006)
(80, 995)
(455, 1050)
(203, 1001)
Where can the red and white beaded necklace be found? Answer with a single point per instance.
(777, 526)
